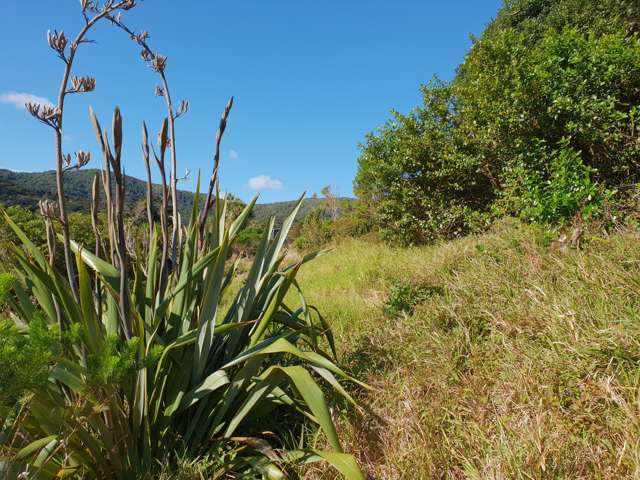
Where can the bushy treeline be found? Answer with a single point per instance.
(541, 121)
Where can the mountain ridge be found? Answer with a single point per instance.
(25, 189)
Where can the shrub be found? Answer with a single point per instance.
(248, 239)
(173, 369)
(405, 296)
(316, 230)
(323, 225)
(25, 360)
(553, 186)
(420, 176)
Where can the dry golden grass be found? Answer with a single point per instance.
(524, 363)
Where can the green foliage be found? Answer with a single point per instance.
(419, 175)
(325, 224)
(6, 284)
(264, 211)
(404, 296)
(540, 121)
(31, 223)
(114, 362)
(26, 359)
(316, 230)
(536, 17)
(553, 186)
(249, 238)
(187, 376)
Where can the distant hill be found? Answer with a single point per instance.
(27, 188)
(262, 212)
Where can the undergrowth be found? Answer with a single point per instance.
(524, 364)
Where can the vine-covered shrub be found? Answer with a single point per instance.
(551, 185)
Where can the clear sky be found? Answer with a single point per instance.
(310, 78)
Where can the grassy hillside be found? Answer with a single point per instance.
(520, 358)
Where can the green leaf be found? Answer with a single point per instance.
(213, 382)
(342, 462)
(93, 327)
(105, 269)
(35, 446)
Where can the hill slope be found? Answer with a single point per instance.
(27, 188)
(519, 360)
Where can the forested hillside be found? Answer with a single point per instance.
(26, 189)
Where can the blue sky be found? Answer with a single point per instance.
(310, 80)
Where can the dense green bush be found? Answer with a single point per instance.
(30, 222)
(25, 361)
(404, 296)
(420, 175)
(316, 230)
(541, 121)
(561, 186)
(320, 227)
(248, 239)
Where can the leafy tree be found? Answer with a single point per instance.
(420, 174)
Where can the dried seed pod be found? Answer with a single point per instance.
(47, 114)
(51, 113)
(82, 158)
(95, 195)
(159, 63)
(145, 141)
(159, 91)
(163, 139)
(117, 133)
(142, 37)
(57, 41)
(33, 108)
(83, 84)
(146, 55)
(48, 208)
(223, 121)
(184, 108)
(187, 172)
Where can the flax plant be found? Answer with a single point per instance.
(150, 366)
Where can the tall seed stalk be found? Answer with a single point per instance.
(54, 116)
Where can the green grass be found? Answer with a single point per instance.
(521, 361)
